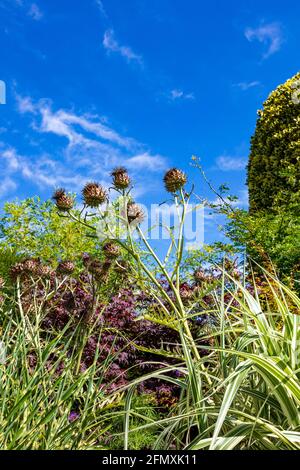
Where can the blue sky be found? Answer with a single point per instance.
(143, 83)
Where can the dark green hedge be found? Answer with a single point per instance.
(274, 164)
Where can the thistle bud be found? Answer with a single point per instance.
(135, 213)
(94, 195)
(174, 180)
(200, 277)
(66, 267)
(31, 266)
(62, 200)
(111, 250)
(44, 271)
(186, 293)
(121, 267)
(121, 178)
(95, 267)
(16, 271)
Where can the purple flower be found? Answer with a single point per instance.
(73, 416)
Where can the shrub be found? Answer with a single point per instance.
(274, 164)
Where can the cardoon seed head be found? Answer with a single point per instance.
(16, 271)
(62, 200)
(121, 267)
(66, 267)
(135, 213)
(111, 250)
(31, 266)
(95, 267)
(200, 276)
(94, 195)
(174, 180)
(121, 178)
(106, 266)
(186, 293)
(44, 271)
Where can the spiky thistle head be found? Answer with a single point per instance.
(44, 271)
(200, 276)
(17, 270)
(94, 266)
(31, 265)
(121, 179)
(135, 214)
(63, 201)
(121, 267)
(94, 195)
(66, 267)
(174, 180)
(111, 250)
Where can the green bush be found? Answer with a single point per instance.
(33, 228)
(274, 165)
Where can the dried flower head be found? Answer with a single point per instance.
(200, 276)
(63, 201)
(94, 195)
(105, 271)
(16, 271)
(31, 266)
(44, 271)
(95, 267)
(111, 250)
(121, 267)
(174, 180)
(135, 213)
(121, 179)
(66, 267)
(186, 293)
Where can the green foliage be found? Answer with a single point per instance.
(275, 237)
(274, 165)
(35, 229)
(248, 392)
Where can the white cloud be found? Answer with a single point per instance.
(146, 161)
(7, 186)
(25, 104)
(101, 8)
(42, 170)
(35, 12)
(270, 35)
(178, 94)
(86, 147)
(227, 163)
(112, 45)
(247, 85)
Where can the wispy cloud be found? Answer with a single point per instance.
(270, 35)
(35, 12)
(101, 8)
(111, 44)
(7, 186)
(147, 161)
(177, 94)
(42, 170)
(247, 85)
(85, 148)
(227, 163)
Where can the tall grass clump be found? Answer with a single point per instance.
(238, 378)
